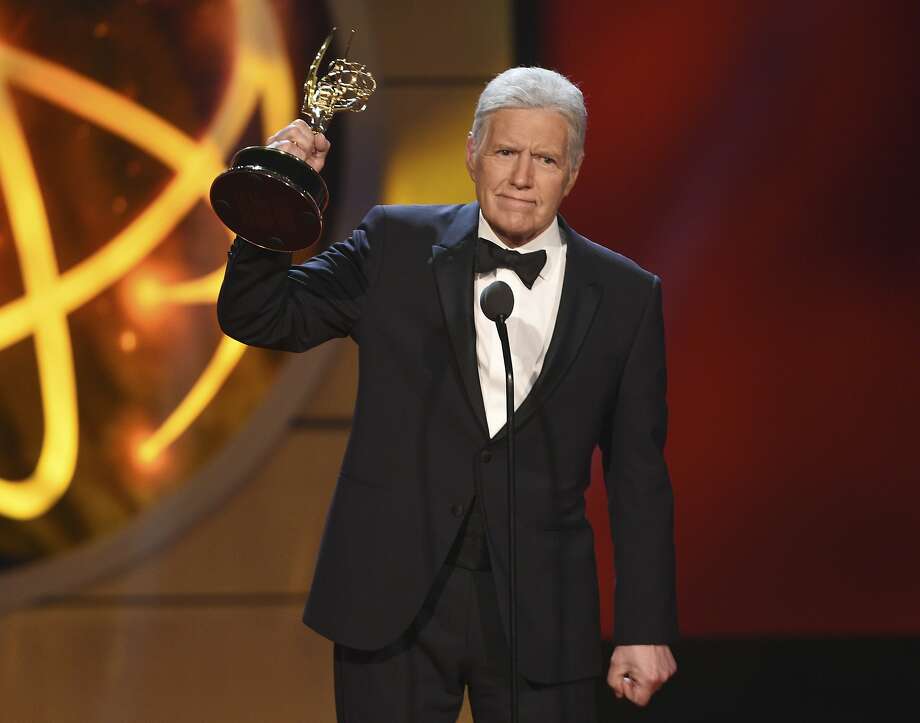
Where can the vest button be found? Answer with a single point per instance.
(486, 456)
(456, 510)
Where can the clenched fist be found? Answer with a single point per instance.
(637, 671)
(299, 140)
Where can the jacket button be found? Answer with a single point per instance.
(456, 510)
(486, 455)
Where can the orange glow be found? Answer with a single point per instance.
(143, 296)
(127, 341)
(147, 465)
(147, 293)
(143, 458)
(260, 80)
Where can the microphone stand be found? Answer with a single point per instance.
(512, 536)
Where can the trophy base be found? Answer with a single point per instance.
(271, 198)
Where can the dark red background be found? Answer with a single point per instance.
(761, 158)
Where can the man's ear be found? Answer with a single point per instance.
(470, 152)
(573, 176)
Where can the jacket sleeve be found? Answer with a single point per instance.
(639, 493)
(265, 301)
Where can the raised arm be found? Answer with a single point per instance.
(265, 301)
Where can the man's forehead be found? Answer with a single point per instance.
(543, 125)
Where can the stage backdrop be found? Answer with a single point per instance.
(120, 396)
(761, 157)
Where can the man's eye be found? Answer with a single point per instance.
(549, 161)
(503, 152)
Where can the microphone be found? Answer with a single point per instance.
(497, 303)
(497, 300)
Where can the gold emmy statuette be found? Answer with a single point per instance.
(272, 198)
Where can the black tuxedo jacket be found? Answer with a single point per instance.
(402, 287)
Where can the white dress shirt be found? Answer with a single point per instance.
(530, 326)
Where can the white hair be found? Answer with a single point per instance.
(534, 88)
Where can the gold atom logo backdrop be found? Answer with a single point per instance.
(117, 384)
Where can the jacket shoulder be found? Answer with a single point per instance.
(613, 267)
(409, 217)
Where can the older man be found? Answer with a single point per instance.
(411, 577)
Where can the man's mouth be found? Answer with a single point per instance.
(517, 201)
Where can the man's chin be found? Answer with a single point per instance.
(513, 232)
(515, 237)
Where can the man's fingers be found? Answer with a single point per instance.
(289, 146)
(300, 133)
(638, 694)
(295, 134)
(321, 143)
(289, 131)
(617, 682)
(303, 138)
(299, 140)
(626, 685)
(646, 667)
(301, 125)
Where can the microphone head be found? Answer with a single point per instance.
(496, 300)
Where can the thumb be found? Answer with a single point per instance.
(617, 680)
(321, 144)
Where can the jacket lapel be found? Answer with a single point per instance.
(452, 262)
(577, 308)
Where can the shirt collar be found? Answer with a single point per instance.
(549, 240)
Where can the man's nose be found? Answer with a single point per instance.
(522, 173)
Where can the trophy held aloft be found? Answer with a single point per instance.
(272, 198)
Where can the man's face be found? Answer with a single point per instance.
(522, 171)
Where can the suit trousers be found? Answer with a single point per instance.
(456, 642)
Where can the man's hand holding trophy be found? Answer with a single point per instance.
(273, 195)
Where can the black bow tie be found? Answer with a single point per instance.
(490, 256)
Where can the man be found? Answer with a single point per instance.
(411, 578)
